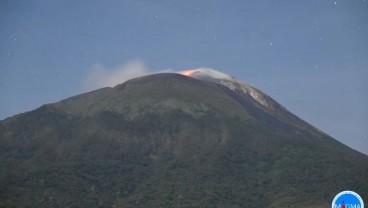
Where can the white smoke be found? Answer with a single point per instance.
(100, 76)
(213, 73)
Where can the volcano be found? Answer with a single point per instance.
(198, 138)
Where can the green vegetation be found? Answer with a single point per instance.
(83, 152)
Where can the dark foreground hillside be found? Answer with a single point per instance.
(170, 141)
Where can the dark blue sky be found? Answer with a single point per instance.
(311, 56)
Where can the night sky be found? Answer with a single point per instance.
(311, 56)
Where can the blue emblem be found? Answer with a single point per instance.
(347, 199)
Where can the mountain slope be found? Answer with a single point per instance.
(169, 140)
(155, 93)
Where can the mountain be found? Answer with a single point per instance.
(196, 139)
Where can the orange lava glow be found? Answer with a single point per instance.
(188, 72)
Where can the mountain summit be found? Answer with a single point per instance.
(253, 100)
(199, 138)
(214, 76)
